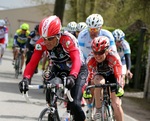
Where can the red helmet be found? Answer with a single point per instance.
(49, 26)
(100, 43)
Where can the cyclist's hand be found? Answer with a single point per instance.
(70, 82)
(87, 94)
(23, 85)
(119, 91)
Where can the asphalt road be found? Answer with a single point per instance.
(13, 106)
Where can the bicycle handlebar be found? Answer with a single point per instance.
(52, 86)
(101, 85)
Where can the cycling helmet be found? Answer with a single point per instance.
(24, 26)
(81, 26)
(36, 28)
(118, 34)
(50, 26)
(2, 22)
(100, 43)
(94, 21)
(71, 27)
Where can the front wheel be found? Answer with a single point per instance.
(107, 113)
(45, 115)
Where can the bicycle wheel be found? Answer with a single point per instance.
(107, 113)
(45, 115)
(17, 68)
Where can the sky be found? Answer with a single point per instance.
(10, 4)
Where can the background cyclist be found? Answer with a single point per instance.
(124, 51)
(32, 39)
(105, 65)
(66, 56)
(80, 27)
(3, 38)
(20, 40)
(71, 27)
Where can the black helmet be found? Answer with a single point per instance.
(36, 28)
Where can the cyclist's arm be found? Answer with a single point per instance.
(128, 61)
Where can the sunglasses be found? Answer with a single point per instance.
(94, 29)
(49, 38)
(99, 53)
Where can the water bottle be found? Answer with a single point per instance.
(66, 116)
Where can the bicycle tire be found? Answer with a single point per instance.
(107, 113)
(45, 115)
(17, 68)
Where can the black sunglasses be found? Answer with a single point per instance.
(99, 53)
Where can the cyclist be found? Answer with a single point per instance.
(67, 58)
(3, 38)
(124, 51)
(32, 39)
(105, 65)
(71, 27)
(20, 40)
(80, 27)
(94, 29)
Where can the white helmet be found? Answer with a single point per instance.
(94, 21)
(81, 26)
(118, 34)
(71, 27)
(2, 22)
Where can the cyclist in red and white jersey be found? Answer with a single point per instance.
(67, 58)
(105, 65)
(3, 37)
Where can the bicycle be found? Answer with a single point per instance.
(107, 113)
(50, 113)
(18, 62)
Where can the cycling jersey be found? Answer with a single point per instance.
(123, 49)
(4, 35)
(85, 41)
(66, 52)
(19, 38)
(111, 65)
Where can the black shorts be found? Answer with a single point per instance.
(111, 79)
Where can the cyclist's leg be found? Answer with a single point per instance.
(116, 101)
(76, 93)
(98, 95)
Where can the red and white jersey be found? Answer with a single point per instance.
(66, 50)
(4, 35)
(111, 65)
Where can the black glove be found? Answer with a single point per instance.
(23, 85)
(70, 82)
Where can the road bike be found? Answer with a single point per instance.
(18, 62)
(57, 91)
(107, 113)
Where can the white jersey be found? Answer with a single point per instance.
(84, 40)
(123, 49)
